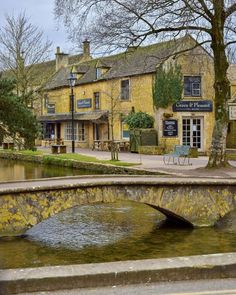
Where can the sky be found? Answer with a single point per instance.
(41, 15)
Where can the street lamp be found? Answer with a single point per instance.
(72, 79)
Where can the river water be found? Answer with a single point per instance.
(111, 232)
(17, 170)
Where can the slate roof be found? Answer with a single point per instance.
(135, 61)
(41, 72)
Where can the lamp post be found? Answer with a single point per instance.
(72, 79)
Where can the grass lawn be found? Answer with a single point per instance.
(76, 157)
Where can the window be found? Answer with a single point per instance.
(68, 131)
(81, 131)
(96, 100)
(51, 108)
(125, 130)
(45, 101)
(192, 86)
(124, 90)
(98, 73)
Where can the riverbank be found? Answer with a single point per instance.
(130, 163)
(216, 266)
(69, 160)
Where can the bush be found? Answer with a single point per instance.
(139, 120)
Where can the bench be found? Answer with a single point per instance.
(58, 148)
(8, 145)
(180, 156)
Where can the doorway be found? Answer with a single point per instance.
(192, 134)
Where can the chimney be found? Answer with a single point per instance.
(131, 48)
(86, 48)
(62, 59)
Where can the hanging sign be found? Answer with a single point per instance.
(193, 106)
(170, 128)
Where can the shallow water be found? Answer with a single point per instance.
(110, 232)
(18, 170)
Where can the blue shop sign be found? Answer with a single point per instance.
(193, 106)
(84, 103)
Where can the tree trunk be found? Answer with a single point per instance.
(217, 157)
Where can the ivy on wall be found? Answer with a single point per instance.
(168, 86)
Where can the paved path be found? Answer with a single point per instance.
(155, 163)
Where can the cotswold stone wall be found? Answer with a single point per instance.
(199, 204)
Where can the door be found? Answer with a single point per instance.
(193, 132)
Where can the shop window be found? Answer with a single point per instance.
(68, 131)
(96, 100)
(125, 131)
(192, 86)
(81, 131)
(125, 90)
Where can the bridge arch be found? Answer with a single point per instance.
(198, 204)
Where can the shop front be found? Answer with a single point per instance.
(188, 123)
(87, 127)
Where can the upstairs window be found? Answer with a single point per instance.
(51, 108)
(124, 90)
(96, 100)
(192, 86)
(98, 73)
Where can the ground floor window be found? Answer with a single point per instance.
(68, 131)
(192, 132)
(124, 131)
(81, 131)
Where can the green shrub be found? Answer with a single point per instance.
(139, 120)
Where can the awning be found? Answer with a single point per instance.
(93, 116)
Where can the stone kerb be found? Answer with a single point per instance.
(199, 205)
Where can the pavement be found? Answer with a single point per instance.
(120, 273)
(155, 163)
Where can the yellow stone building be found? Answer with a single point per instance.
(108, 88)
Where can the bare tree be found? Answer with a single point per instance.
(113, 102)
(21, 48)
(123, 22)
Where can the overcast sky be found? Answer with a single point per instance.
(41, 15)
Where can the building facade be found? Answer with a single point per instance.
(108, 88)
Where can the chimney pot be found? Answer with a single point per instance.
(86, 48)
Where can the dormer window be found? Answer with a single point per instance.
(98, 73)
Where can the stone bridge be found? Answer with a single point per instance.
(196, 202)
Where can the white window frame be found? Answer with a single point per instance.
(68, 131)
(81, 131)
(195, 92)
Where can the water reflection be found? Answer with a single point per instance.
(17, 170)
(109, 232)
